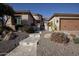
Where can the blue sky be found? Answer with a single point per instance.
(47, 9)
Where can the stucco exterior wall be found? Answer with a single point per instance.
(30, 19)
(24, 17)
(27, 19)
(56, 21)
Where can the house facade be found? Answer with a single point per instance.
(64, 22)
(16, 20)
(24, 18)
(39, 21)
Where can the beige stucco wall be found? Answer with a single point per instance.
(24, 17)
(54, 20)
(28, 19)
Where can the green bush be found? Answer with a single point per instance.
(76, 40)
(30, 30)
(1, 39)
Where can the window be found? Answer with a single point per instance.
(18, 20)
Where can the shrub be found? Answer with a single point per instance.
(76, 40)
(28, 29)
(59, 37)
(1, 30)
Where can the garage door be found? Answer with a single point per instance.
(69, 24)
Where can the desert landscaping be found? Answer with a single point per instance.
(48, 47)
(26, 32)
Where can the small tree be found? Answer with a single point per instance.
(5, 9)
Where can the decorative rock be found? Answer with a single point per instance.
(59, 37)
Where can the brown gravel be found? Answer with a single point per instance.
(59, 37)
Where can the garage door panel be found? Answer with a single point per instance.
(68, 24)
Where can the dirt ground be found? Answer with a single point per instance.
(46, 47)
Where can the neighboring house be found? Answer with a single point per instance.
(45, 25)
(64, 22)
(24, 18)
(39, 21)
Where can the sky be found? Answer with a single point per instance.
(47, 9)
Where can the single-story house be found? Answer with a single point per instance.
(64, 22)
(24, 18)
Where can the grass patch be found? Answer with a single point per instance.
(76, 40)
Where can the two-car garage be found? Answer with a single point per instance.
(69, 24)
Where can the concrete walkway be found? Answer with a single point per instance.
(27, 47)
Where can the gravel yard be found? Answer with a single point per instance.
(46, 47)
(8, 45)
